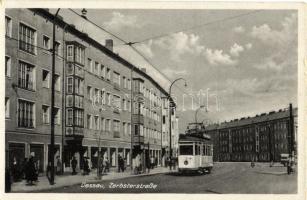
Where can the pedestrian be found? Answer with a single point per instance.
(58, 166)
(74, 165)
(107, 164)
(31, 171)
(24, 165)
(48, 172)
(148, 164)
(152, 160)
(86, 169)
(15, 169)
(119, 163)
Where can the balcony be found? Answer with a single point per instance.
(74, 135)
(138, 118)
(138, 140)
(116, 134)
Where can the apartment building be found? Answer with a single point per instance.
(103, 103)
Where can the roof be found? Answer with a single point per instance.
(264, 117)
(71, 28)
(189, 137)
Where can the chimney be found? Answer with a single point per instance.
(109, 44)
(143, 70)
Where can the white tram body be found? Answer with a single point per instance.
(195, 154)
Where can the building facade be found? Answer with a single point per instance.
(104, 105)
(261, 138)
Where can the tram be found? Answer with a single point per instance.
(195, 151)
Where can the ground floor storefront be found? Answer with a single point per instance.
(19, 147)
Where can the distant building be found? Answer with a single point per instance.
(263, 137)
(102, 101)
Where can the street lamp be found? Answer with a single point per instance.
(170, 114)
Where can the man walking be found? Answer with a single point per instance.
(74, 165)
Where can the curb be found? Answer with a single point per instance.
(88, 181)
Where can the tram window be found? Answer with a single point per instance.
(197, 149)
(186, 149)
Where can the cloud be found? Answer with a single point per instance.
(248, 45)
(120, 21)
(174, 72)
(218, 57)
(239, 29)
(146, 49)
(236, 49)
(281, 37)
(181, 43)
(282, 43)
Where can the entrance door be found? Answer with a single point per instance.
(38, 150)
(17, 152)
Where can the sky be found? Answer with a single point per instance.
(234, 66)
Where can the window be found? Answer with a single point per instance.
(26, 76)
(69, 117)
(125, 82)
(163, 119)
(79, 117)
(102, 71)
(69, 85)
(7, 107)
(45, 78)
(70, 52)
(7, 66)
(186, 150)
(96, 96)
(129, 128)
(57, 48)
(108, 125)
(89, 121)
(124, 104)
(116, 78)
(116, 126)
(108, 74)
(46, 114)
(25, 114)
(57, 116)
(116, 102)
(102, 97)
(124, 128)
(46, 42)
(27, 39)
(90, 92)
(78, 86)
(102, 124)
(57, 82)
(79, 54)
(129, 105)
(96, 123)
(96, 69)
(108, 99)
(90, 64)
(8, 26)
(129, 84)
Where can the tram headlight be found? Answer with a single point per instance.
(185, 162)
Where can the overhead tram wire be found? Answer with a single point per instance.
(129, 44)
(194, 27)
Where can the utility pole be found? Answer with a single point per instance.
(291, 132)
(51, 156)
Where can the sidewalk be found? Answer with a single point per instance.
(67, 180)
